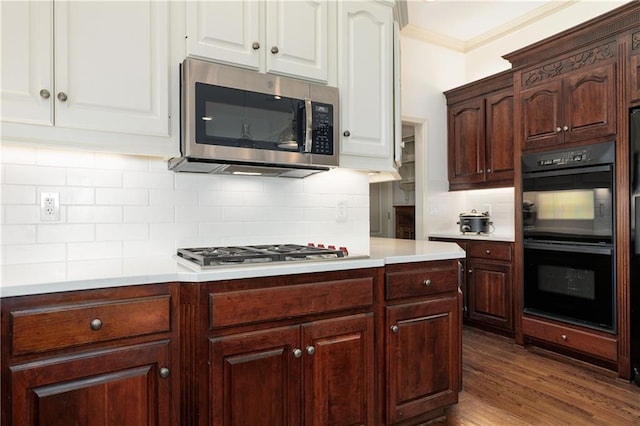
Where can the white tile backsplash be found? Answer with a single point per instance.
(118, 206)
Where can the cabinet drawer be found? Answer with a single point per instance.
(490, 250)
(429, 278)
(571, 338)
(59, 326)
(251, 306)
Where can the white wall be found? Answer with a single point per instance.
(115, 206)
(428, 70)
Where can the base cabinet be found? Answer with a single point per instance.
(96, 357)
(422, 340)
(320, 373)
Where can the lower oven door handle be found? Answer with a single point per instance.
(569, 248)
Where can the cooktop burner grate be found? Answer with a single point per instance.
(237, 255)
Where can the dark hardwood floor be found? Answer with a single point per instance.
(506, 384)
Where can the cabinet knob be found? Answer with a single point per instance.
(297, 353)
(564, 337)
(346, 133)
(95, 324)
(311, 350)
(255, 45)
(488, 251)
(488, 170)
(565, 128)
(274, 50)
(427, 283)
(395, 328)
(44, 93)
(558, 129)
(62, 97)
(164, 372)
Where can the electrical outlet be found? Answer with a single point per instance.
(341, 211)
(49, 206)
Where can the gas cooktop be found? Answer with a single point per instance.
(212, 257)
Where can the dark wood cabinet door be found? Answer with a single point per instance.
(338, 371)
(541, 109)
(255, 378)
(499, 136)
(466, 147)
(590, 104)
(489, 295)
(423, 358)
(112, 387)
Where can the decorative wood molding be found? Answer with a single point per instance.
(571, 63)
(635, 41)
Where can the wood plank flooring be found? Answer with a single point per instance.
(506, 384)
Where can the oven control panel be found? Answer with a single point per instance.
(566, 158)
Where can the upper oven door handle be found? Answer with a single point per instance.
(571, 248)
(564, 172)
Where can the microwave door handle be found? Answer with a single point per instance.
(308, 139)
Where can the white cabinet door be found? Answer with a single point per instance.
(27, 62)
(365, 80)
(230, 32)
(283, 37)
(112, 66)
(298, 38)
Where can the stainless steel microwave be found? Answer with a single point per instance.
(236, 121)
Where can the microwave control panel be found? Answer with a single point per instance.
(322, 129)
(566, 158)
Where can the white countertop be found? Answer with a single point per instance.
(26, 279)
(495, 236)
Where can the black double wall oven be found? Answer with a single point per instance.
(569, 235)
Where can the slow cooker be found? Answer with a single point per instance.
(480, 223)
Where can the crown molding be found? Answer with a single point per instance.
(512, 26)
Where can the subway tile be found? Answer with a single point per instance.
(18, 234)
(65, 158)
(90, 268)
(121, 196)
(34, 175)
(18, 194)
(242, 214)
(69, 194)
(94, 250)
(121, 162)
(200, 214)
(94, 178)
(94, 214)
(197, 181)
(173, 231)
(34, 253)
(148, 180)
(163, 197)
(61, 233)
(220, 198)
(31, 273)
(20, 214)
(149, 248)
(122, 232)
(159, 214)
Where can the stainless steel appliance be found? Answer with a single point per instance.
(568, 235)
(212, 257)
(237, 121)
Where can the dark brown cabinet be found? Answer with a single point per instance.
(579, 106)
(284, 350)
(480, 133)
(91, 357)
(319, 373)
(423, 340)
(405, 222)
(487, 283)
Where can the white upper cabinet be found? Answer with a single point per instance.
(294, 38)
(366, 83)
(88, 66)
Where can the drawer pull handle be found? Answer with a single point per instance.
(297, 353)
(427, 282)
(395, 328)
(95, 324)
(311, 350)
(564, 337)
(164, 372)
